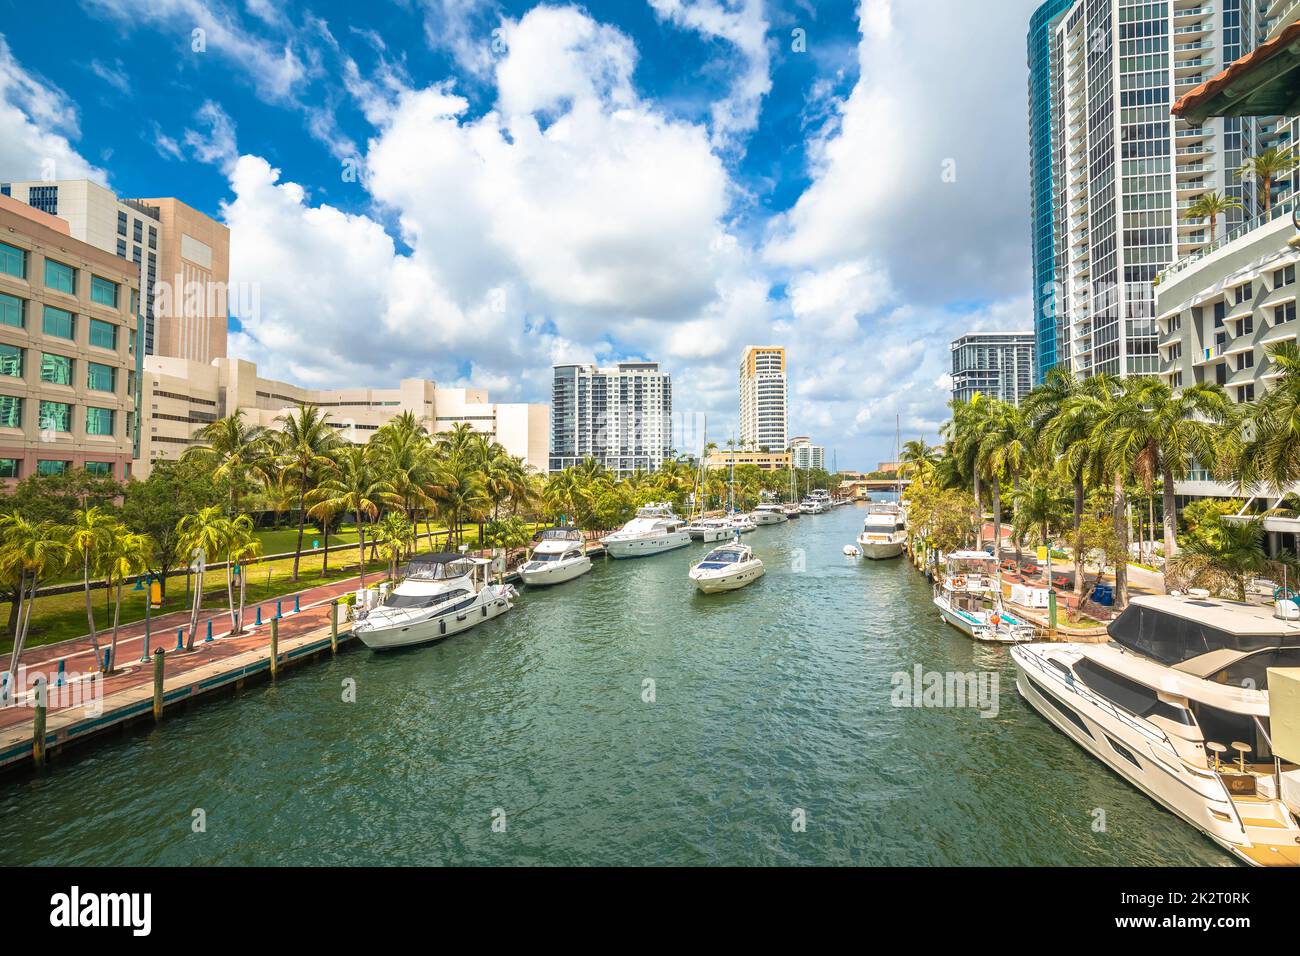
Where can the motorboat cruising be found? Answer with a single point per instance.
(655, 529)
(727, 568)
(768, 514)
(1196, 702)
(560, 555)
(742, 523)
(884, 532)
(440, 595)
(969, 598)
(710, 530)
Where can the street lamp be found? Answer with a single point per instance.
(147, 579)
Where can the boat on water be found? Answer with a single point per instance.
(884, 532)
(791, 512)
(742, 523)
(969, 598)
(655, 529)
(768, 514)
(440, 595)
(1179, 705)
(709, 530)
(560, 555)
(727, 568)
(812, 506)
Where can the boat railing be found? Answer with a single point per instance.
(1082, 690)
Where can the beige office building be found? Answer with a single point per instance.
(180, 397)
(67, 350)
(183, 258)
(767, 461)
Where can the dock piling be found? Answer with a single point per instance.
(180, 638)
(158, 684)
(334, 627)
(296, 608)
(275, 645)
(208, 639)
(259, 615)
(61, 678)
(38, 724)
(279, 612)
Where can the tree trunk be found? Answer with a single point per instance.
(1078, 537)
(14, 605)
(1170, 515)
(90, 611)
(117, 614)
(996, 486)
(194, 612)
(325, 557)
(979, 514)
(302, 521)
(361, 548)
(1121, 532)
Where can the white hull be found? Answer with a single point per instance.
(643, 547)
(767, 517)
(711, 582)
(491, 603)
(1196, 794)
(555, 572)
(981, 631)
(709, 535)
(881, 550)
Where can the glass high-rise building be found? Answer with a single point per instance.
(1124, 171)
(620, 416)
(1042, 220)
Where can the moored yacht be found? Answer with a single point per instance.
(1179, 705)
(727, 568)
(812, 506)
(560, 555)
(440, 595)
(969, 598)
(791, 511)
(654, 529)
(884, 532)
(709, 530)
(742, 523)
(768, 514)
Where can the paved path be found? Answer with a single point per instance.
(79, 655)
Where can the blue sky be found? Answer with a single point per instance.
(671, 179)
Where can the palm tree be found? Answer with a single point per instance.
(456, 486)
(354, 484)
(1270, 454)
(1004, 451)
(917, 461)
(1211, 205)
(1223, 560)
(244, 548)
(408, 458)
(126, 554)
(392, 532)
(1266, 168)
(238, 453)
(89, 537)
(302, 449)
(30, 551)
(203, 536)
(1040, 507)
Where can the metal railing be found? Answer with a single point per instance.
(1279, 210)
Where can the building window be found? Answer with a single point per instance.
(99, 421)
(137, 231)
(44, 467)
(103, 334)
(153, 237)
(103, 291)
(1284, 313)
(104, 468)
(1177, 380)
(44, 198)
(121, 228)
(1247, 325)
(1247, 393)
(56, 369)
(101, 378)
(57, 322)
(60, 277)
(13, 261)
(11, 411)
(11, 310)
(8, 467)
(1284, 277)
(121, 248)
(55, 417)
(11, 361)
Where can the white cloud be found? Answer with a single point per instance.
(114, 75)
(37, 126)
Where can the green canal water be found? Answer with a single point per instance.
(767, 701)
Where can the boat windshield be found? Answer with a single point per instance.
(560, 534)
(542, 558)
(717, 559)
(396, 600)
(1171, 639)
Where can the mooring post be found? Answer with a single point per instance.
(180, 638)
(38, 724)
(158, 684)
(275, 645)
(279, 613)
(208, 639)
(259, 615)
(334, 627)
(296, 608)
(61, 679)
(1051, 612)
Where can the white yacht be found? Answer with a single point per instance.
(1179, 705)
(884, 532)
(768, 514)
(742, 523)
(812, 506)
(791, 511)
(440, 595)
(654, 529)
(970, 599)
(709, 530)
(560, 555)
(727, 568)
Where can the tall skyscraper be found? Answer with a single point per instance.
(995, 364)
(1124, 171)
(763, 398)
(620, 416)
(183, 258)
(804, 454)
(1043, 119)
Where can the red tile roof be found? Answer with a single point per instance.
(1250, 61)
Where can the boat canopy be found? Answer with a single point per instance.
(442, 566)
(560, 534)
(1172, 630)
